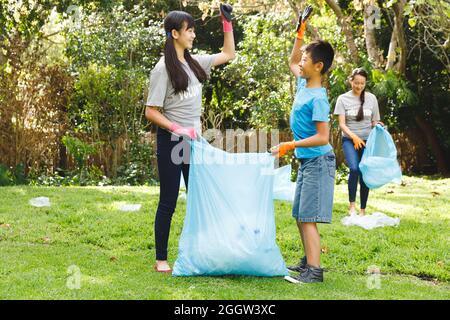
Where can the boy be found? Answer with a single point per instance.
(313, 200)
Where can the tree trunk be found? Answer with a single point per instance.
(392, 55)
(399, 11)
(349, 39)
(373, 50)
(432, 140)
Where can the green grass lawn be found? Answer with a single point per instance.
(114, 251)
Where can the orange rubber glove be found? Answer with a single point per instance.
(282, 149)
(301, 26)
(358, 143)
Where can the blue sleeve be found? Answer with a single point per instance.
(300, 83)
(321, 110)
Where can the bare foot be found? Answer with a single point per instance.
(352, 210)
(162, 265)
(362, 213)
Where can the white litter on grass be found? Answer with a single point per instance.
(130, 207)
(368, 222)
(40, 202)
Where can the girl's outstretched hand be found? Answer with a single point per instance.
(226, 16)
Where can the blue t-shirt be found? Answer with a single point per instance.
(310, 105)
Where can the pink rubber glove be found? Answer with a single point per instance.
(225, 15)
(182, 131)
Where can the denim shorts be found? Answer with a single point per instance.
(314, 191)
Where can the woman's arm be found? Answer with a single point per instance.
(374, 123)
(358, 143)
(154, 115)
(228, 52)
(343, 125)
(376, 114)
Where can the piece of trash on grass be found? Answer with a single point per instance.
(130, 207)
(368, 222)
(434, 193)
(46, 240)
(40, 202)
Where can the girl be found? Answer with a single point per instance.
(358, 114)
(174, 105)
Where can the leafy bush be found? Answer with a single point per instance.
(342, 173)
(259, 79)
(12, 176)
(6, 177)
(139, 169)
(81, 151)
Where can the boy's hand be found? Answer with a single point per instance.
(301, 26)
(282, 149)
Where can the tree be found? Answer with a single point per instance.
(430, 15)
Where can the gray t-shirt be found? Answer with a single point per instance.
(349, 105)
(184, 107)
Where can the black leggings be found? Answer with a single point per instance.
(173, 158)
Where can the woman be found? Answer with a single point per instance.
(174, 105)
(358, 114)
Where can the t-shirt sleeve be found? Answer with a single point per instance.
(339, 108)
(376, 110)
(321, 110)
(301, 82)
(158, 87)
(206, 62)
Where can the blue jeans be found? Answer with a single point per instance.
(353, 158)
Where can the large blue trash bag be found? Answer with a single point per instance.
(229, 228)
(283, 187)
(379, 164)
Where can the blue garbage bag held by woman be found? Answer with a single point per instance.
(379, 164)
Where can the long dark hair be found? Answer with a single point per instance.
(363, 73)
(178, 76)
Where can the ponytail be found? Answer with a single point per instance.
(362, 97)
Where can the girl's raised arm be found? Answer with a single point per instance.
(228, 52)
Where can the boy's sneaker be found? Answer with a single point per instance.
(312, 274)
(300, 267)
